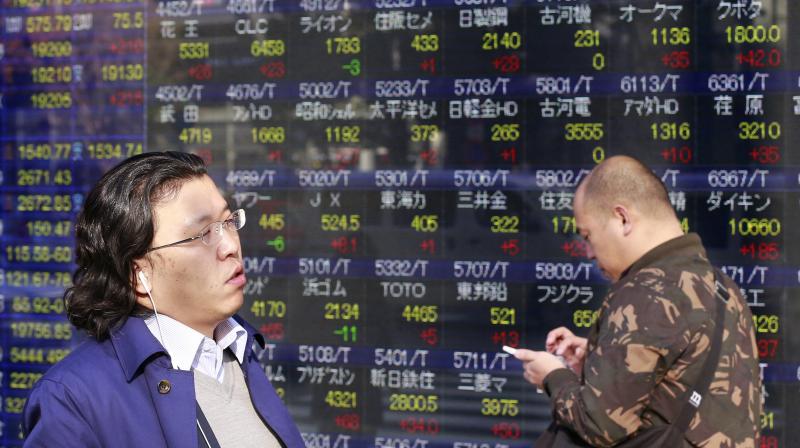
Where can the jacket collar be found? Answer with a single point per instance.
(135, 345)
(688, 245)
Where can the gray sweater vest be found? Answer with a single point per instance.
(229, 410)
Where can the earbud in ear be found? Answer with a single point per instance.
(143, 279)
(146, 286)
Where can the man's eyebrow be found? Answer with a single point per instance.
(204, 218)
(207, 218)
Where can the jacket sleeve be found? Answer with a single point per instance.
(637, 337)
(53, 418)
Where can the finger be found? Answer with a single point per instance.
(525, 355)
(528, 377)
(554, 335)
(565, 345)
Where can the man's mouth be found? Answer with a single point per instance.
(237, 278)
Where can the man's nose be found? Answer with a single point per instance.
(229, 243)
(589, 252)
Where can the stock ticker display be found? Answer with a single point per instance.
(407, 168)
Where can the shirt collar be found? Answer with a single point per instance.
(184, 343)
(229, 334)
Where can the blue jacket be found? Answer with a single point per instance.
(113, 393)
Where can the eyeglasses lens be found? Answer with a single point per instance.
(213, 233)
(238, 219)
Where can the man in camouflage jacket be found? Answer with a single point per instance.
(654, 327)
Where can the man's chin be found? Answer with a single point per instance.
(233, 303)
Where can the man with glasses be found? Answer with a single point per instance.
(159, 280)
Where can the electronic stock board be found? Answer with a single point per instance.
(407, 168)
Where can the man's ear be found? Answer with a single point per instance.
(625, 219)
(141, 285)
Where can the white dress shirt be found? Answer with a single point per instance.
(189, 349)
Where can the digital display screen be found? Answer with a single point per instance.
(407, 168)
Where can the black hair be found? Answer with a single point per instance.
(115, 228)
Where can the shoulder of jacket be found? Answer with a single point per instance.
(677, 289)
(88, 362)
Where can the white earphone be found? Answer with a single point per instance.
(146, 286)
(143, 279)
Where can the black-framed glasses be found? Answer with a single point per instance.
(212, 233)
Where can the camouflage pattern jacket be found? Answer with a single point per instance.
(647, 348)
